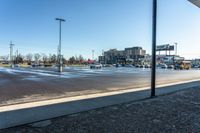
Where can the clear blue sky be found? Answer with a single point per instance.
(98, 25)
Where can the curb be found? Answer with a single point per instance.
(19, 114)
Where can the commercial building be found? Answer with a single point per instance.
(114, 56)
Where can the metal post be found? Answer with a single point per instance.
(59, 46)
(176, 48)
(17, 56)
(153, 68)
(93, 55)
(11, 54)
(60, 57)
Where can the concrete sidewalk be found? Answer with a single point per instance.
(175, 112)
(19, 114)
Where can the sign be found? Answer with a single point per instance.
(171, 47)
(164, 47)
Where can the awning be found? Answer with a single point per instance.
(195, 2)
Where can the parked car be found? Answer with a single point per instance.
(35, 65)
(170, 66)
(106, 65)
(95, 66)
(137, 65)
(16, 65)
(128, 65)
(147, 66)
(164, 66)
(6, 62)
(142, 66)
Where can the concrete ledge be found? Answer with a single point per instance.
(20, 114)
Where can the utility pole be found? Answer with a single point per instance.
(154, 36)
(93, 55)
(11, 54)
(102, 52)
(60, 63)
(58, 55)
(16, 56)
(176, 48)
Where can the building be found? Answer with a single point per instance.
(113, 56)
(135, 53)
(129, 55)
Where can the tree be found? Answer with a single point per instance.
(19, 59)
(72, 60)
(29, 57)
(37, 57)
(80, 58)
(53, 58)
(44, 58)
(64, 60)
(5, 58)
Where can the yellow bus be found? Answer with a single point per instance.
(183, 65)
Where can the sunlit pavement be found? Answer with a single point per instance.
(174, 113)
(33, 84)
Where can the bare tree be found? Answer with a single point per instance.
(53, 58)
(37, 57)
(19, 59)
(44, 58)
(80, 58)
(29, 57)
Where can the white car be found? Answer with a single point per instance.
(95, 66)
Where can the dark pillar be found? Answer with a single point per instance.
(153, 68)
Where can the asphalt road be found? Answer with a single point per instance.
(33, 84)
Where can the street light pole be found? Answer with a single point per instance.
(176, 48)
(93, 55)
(153, 67)
(11, 54)
(59, 46)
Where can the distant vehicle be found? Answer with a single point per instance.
(170, 66)
(147, 66)
(16, 65)
(48, 65)
(95, 66)
(6, 62)
(128, 65)
(137, 65)
(142, 66)
(117, 65)
(183, 65)
(106, 65)
(164, 66)
(196, 66)
(35, 65)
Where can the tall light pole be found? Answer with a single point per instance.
(11, 54)
(93, 55)
(59, 46)
(154, 36)
(176, 48)
(16, 56)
